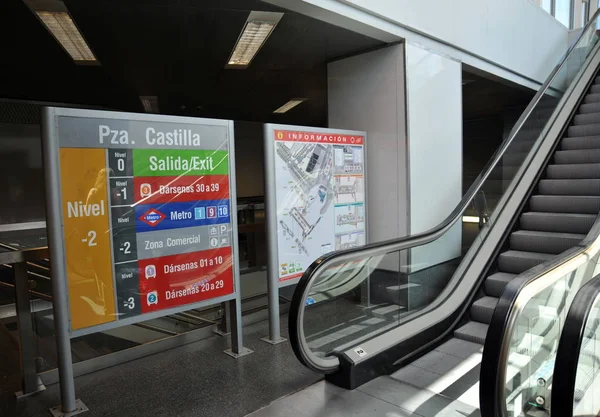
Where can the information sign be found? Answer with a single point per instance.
(146, 212)
(320, 194)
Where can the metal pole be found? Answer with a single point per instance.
(272, 249)
(224, 328)
(237, 345)
(26, 334)
(235, 306)
(58, 268)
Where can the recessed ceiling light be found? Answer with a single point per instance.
(56, 18)
(150, 103)
(290, 105)
(257, 29)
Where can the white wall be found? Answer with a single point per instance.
(514, 39)
(434, 117)
(366, 92)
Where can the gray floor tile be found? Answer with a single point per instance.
(195, 380)
(419, 401)
(325, 400)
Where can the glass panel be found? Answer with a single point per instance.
(587, 382)
(562, 12)
(547, 5)
(533, 347)
(362, 294)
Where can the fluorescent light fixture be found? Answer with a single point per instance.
(290, 105)
(470, 219)
(55, 16)
(257, 29)
(150, 103)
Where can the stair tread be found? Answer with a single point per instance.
(573, 171)
(473, 331)
(549, 214)
(542, 234)
(547, 203)
(527, 255)
(574, 143)
(495, 283)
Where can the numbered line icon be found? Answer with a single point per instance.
(152, 298)
(145, 190)
(150, 271)
(199, 213)
(223, 211)
(211, 212)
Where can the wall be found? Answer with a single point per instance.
(366, 92)
(434, 117)
(22, 191)
(250, 160)
(514, 39)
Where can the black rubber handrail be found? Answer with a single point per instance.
(569, 348)
(407, 242)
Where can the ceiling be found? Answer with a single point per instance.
(176, 50)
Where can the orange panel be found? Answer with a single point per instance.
(87, 237)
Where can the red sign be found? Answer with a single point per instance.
(152, 190)
(331, 138)
(177, 280)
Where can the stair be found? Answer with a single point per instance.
(559, 216)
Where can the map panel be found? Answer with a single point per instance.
(320, 190)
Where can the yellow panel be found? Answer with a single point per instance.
(87, 237)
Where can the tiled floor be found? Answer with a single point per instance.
(193, 380)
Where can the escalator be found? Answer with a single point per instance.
(474, 329)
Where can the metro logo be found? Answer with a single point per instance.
(152, 217)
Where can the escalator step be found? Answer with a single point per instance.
(584, 130)
(460, 348)
(589, 108)
(482, 310)
(557, 222)
(591, 98)
(573, 171)
(516, 262)
(495, 284)
(561, 204)
(472, 332)
(587, 118)
(570, 187)
(543, 242)
(580, 156)
(583, 142)
(595, 89)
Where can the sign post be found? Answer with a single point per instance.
(315, 200)
(142, 222)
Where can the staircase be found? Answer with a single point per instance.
(559, 215)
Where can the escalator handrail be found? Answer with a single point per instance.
(569, 348)
(297, 305)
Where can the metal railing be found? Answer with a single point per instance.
(19, 260)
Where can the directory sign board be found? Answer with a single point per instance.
(148, 214)
(320, 190)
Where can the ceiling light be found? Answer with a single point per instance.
(257, 29)
(290, 105)
(55, 16)
(150, 103)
